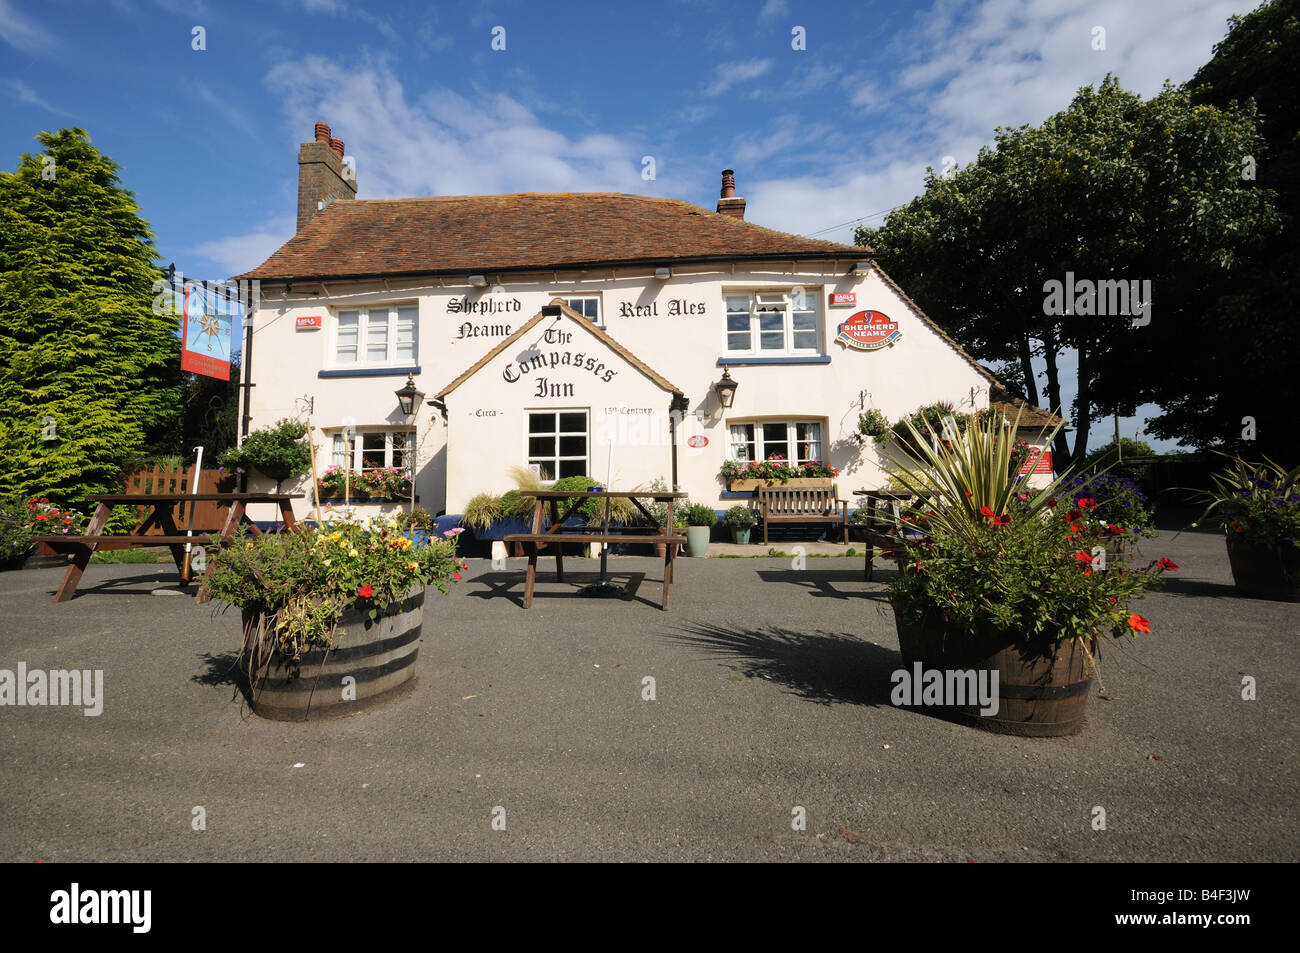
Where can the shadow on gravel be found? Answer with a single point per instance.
(135, 585)
(510, 585)
(824, 667)
(223, 670)
(830, 583)
(1197, 588)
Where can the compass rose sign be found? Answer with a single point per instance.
(205, 342)
(868, 331)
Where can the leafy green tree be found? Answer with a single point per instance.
(87, 370)
(1112, 188)
(1239, 358)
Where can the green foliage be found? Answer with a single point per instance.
(1119, 502)
(480, 512)
(79, 342)
(1113, 187)
(414, 519)
(739, 517)
(592, 510)
(277, 451)
(1030, 577)
(775, 467)
(301, 582)
(1256, 503)
(697, 514)
(517, 505)
(390, 483)
(872, 424)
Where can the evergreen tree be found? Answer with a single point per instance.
(87, 369)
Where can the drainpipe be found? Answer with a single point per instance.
(676, 408)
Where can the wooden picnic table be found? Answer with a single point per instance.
(160, 515)
(557, 533)
(890, 542)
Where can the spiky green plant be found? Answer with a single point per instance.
(955, 478)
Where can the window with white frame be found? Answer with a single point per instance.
(558, 441)
(796, 441)
(586, 305)
(374, 450)
(774, 323)
(377, 336)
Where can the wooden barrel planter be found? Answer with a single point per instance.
(1041, 693)
(379, 656)
(1271, 572)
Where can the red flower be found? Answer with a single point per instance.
(1051, 504)
(1112, 599)
(1087, 572)
(986, 512)
(1073, 515)
(1167, 564)
(456, 576)
(1002, 521)
(41, 516)
(1083, 557)
(1139, 623)
(1117, 530)
(366, 591)
(45, 499)
(1074, 528)
(968, 493)
(1087, 502)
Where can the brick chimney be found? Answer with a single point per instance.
(322, 176)
(728, 204)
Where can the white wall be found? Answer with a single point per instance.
(683, 347)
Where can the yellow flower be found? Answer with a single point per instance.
(326, 562)
(412, 567)
(336, 537)
(352, 552)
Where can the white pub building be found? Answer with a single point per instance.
(683, 337)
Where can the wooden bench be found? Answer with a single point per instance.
(802, 504)
(533, 543)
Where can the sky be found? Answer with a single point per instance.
(830, 112)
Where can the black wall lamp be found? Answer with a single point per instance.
(726, 389)
(408, 398)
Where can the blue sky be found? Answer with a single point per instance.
(819, 137)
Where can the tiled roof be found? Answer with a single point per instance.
(599, 333)
(531, 230)
(1030, 416)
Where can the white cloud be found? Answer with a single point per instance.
(727, 75)
(21, 31)
(774, 8)
(25, 94)
(237, 254)
(226, 108)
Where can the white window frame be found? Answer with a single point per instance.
(339, 452)
(529, 459)
(599, 319)
(812, 299)
(367, 316)
(792, 441)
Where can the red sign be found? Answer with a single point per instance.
(1040, 460)
(205, 337)
(868, 331)
(311, 321)
(699, 440)
(843, 299)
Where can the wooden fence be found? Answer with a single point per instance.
(207, 517)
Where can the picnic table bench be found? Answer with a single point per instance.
(884, 526)
(558, 534)
(160, 515)
(802, 504)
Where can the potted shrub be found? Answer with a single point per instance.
(1121, 508)
(699, 524)
(740, 520)
(358, 584)
(1008, 580)
(872, 424)
(1258, 506)
(277, 452)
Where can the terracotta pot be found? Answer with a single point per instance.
(1042, 690)
(1271, 572)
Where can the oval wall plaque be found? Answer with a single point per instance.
(699, 440)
